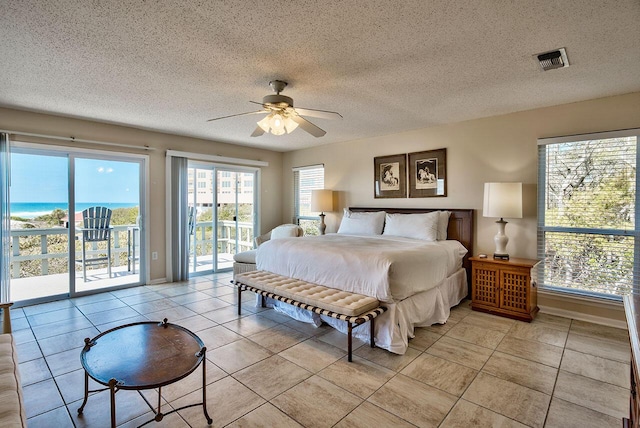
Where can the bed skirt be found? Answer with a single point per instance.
(395, 327)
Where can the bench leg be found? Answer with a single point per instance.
(372, 326)
(349, 340)
(239, 299)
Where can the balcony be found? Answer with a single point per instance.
(42, 269)
(201, 260)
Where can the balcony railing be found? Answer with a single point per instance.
(119, 249)
(120, 246)
(202, 239)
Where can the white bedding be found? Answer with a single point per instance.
(389, 268)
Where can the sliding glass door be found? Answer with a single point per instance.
(110, 189)
(201, 199)
(222, 215)
(236, 214)
(76, 222)
(39, 207)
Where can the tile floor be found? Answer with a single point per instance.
(265, 370)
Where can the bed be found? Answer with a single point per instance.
(418, 280)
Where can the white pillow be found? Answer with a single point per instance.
(443, 225)
(417, 226)
(285, 231)
(365, 223)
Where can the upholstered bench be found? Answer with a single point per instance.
(12, 411)
(354, 309)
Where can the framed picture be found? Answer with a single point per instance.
(390, 176)
(428, 173)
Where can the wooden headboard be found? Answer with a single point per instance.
(460, 226)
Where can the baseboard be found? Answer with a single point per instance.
(584, 308)
(580, 316)
(157, 281)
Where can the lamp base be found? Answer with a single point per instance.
(501, 241)
(322, 227)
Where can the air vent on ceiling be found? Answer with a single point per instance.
(553, 59)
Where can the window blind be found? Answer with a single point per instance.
(588, 227)
(305, 180)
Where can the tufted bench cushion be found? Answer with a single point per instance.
(354, 309)
(332, 299)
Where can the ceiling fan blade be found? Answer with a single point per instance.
(322, 114)
(257, 132)
(308, 126)
(239, 114)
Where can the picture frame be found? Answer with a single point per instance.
(390, 176)
(428, 173)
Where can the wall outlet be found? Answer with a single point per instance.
(154, 255)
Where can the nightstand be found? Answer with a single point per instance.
(504, 287)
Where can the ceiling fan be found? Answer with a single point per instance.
(282, 117)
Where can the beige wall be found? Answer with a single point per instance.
(500, 148)
(271, 204)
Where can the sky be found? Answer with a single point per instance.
(39, 178)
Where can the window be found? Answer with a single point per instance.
(587, 207)
(306, 179)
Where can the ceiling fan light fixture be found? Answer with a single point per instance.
(289, 125)
(282, 117)
(265, 123)
(277, 124)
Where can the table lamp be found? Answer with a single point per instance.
(502, 200)
(321, 201)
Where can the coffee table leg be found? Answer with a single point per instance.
(204, 384)
(86, 392)
(112, 393)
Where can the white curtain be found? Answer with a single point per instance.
(5, 226)
(179, 217)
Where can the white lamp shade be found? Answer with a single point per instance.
(503, 200)
(321, 200)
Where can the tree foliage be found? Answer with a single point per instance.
(53, 218)
(590, 189)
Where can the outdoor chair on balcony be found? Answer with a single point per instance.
(95, 229)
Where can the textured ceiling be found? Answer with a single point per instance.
(386, 66)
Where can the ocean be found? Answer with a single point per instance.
(31, 210)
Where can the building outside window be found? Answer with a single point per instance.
(588, 227)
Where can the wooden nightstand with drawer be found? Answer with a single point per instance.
(504, 287)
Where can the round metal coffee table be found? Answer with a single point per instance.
(142, 356)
